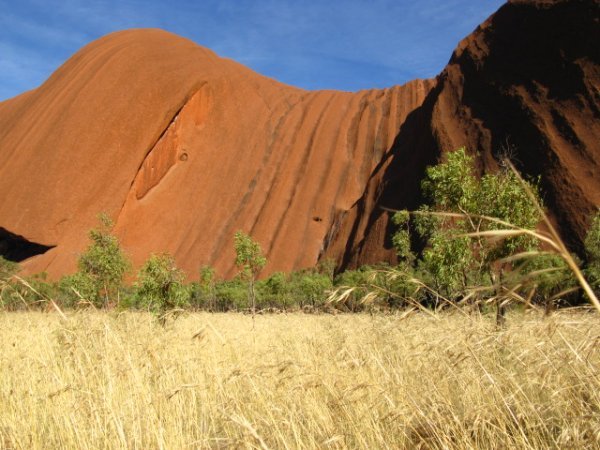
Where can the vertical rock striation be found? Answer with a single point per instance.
(183, 148)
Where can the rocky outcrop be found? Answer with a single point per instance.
(183, 148)
(525, 84)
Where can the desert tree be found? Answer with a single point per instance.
(207, 287)
(159, 286)
(102, 266)
(250, 260)
(458, 222)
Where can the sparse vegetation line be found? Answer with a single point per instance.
(474, 241)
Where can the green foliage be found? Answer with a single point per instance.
(204, 292)
(354, 278)
(78, 289)
(378, 286)
(402, 289)
(9, 296)
(401, 238)
(102, 266)
(249, 257)
(26, 293)
(7, 268)
(426, 222)
(207, 277)
(327, 267)
(449, 259)
(11, 299)
(360, 280)
(503, 197)
(548, 275)
(457, 204)
(451, 186)
(309, 288)
(160, 285)
(401, 217)
(592, 249)
(39, 290)
(231, 294)
(274, 291)
(250, 260)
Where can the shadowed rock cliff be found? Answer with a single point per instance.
(524, 84)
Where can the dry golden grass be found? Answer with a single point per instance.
(99, 380)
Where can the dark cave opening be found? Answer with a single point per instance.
(16, 248)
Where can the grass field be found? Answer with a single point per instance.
(108, 380)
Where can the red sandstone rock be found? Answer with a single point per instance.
(527, 83)
(183, 148)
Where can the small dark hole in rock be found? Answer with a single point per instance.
(183, 157)
(317, 219)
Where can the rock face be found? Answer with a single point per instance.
(183, 148)
(527, 83)
(524, 84)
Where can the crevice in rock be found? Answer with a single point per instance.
(16, 248)
(164, 131)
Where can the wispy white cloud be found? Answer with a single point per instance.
(351, 44)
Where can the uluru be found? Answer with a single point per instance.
(182, 148)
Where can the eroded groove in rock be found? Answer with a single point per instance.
(268, 204)
(275, 147)
(362, 235)
(165, 153)
(299, 185)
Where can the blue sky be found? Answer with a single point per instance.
(347, 45)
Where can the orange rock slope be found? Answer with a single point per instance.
(182, 149)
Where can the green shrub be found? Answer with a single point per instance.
(309, 288)
(31, 292)
(232, 294)
(360, 281)
(203, 293)
(101, 267)
(78, 289)
(456, 257)
(274, 292)
(159, 286)
(327, 267)
(250, 260)
(592, 250)
(39, 290)
(9, 298)
(548, 276)
(7, 268)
